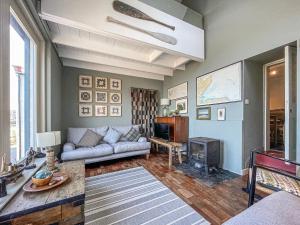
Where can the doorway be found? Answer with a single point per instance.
(280, 105)
(275, 102)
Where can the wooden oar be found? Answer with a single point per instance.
(134, 12)
(162, 37)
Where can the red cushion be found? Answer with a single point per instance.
(275, 164)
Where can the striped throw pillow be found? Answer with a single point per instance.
(132, 135)
(89, 139)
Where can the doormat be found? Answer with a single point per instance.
(214, 177)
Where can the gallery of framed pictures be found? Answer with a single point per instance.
(182, 105)
(179, 94)
(179, 91)
(220, 86)
(102, 91)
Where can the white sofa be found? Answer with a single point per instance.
(103, 151)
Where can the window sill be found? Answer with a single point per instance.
(13, 188)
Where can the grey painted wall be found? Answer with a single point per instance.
(253, 112)
(229, 131)
(235, 30)
(298, 103)
(177, 10)
(70, 102)
(56, 90)
(170, 7)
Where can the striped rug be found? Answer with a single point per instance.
(134, 196)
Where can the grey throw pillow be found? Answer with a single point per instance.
(133, 135)
(112, 136)
(89, 139)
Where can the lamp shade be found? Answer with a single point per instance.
(48, 139)
(165, 102)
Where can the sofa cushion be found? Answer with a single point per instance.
(89, 139)
(112, 136)
(68, 147)
(133, 135)
(121, 147)
(75, 134)
(125, 129)
(142, 139)
(88, 152)
(101, 130)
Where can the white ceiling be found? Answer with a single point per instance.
(121, 53)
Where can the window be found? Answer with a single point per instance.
(22, 77)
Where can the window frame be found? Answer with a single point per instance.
(37, 61)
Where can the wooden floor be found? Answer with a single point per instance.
(216, 204)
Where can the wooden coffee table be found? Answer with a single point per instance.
(62, 205)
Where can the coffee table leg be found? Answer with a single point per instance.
(170, 157)
(179, 155)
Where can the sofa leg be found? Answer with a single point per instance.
(147, 156)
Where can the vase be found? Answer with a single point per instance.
(50, 159)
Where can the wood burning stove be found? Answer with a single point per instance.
(204, 153)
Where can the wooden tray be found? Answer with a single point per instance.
(30, 187)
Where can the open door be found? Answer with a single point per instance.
(290, 102)
(274, 105)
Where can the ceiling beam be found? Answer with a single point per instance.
(87, 56)
(74, 41)
(154, 55)
(97, 46)
(180, 61)
(110, 69)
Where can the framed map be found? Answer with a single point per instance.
(221, 86)
(179, 91)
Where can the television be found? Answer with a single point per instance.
(162, 130)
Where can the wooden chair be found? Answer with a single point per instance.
(261, 160)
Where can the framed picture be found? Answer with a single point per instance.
(182, 105)
(222, 114)
(115, 98)
(85, 110)
(101, 96)
(221, 86)
(101, 83)
(179, 91)
(203, 113)
(115, 110)
(85, 96)
(100, 110)
(85, 81)
(115, 84)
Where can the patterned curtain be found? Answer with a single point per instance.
(144, 109)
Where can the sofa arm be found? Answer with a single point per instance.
(142, 139)
(68, 147)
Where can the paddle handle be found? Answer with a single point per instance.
(129, 10)
(162, 37)
(162, 23)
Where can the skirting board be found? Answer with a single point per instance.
(245, 171)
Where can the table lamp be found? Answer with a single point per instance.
(165, 102)
(47, 140)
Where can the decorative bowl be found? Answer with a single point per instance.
(42, 178)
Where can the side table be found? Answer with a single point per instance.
(61, 205)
